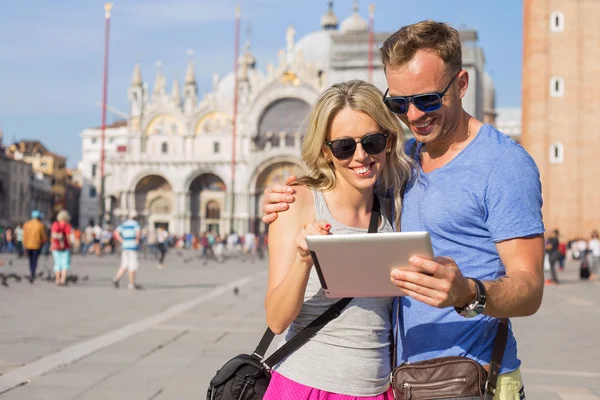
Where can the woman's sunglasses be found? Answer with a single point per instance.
(343, 149)
(426, 102)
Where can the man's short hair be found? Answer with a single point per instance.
(439, 37)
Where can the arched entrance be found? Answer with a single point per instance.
(273, 174)
(153, 201)
(113, 219)
(207, 201)
(285, 116)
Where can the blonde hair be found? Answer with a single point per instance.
(63, 215)
(364, 97)
(439, 37)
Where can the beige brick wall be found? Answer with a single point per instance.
(572, 189)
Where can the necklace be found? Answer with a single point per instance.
(469, 127)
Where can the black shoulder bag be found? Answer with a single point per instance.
(246, 377)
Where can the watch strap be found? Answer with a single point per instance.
(481, 293)
(478, 303)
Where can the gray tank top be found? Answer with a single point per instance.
(351, 354)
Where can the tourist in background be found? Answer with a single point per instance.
(594, 256)
(19, 239)
(162, 240)
(128, 234)
(34, 238)
(61, 246)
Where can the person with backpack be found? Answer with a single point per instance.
(594, 256)
(553, 252)
(60, 245)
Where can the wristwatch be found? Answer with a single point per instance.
(477, 306)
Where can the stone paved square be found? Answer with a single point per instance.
(193, 323)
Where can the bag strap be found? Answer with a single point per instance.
(308, 332)
(412, 153)
(311, 329)
(497, 356)
(497, 352)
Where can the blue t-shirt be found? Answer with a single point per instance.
(128, 231)
(488, 193)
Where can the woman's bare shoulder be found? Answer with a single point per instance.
(301, 211)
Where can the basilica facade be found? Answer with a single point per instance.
(170, 164)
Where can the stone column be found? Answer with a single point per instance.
(107, 212)
(252, 209)
(130, 202)
(181, 220)
(187, 211)
(189, 147)
(282, 136)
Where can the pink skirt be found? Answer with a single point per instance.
(282, 388)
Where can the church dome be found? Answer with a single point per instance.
(355, 23)
(226, 87)
(315, 49)
(329, 20)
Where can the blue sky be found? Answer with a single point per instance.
(51, 52)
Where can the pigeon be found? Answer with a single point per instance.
(236, 291)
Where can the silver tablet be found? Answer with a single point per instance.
(359, 265)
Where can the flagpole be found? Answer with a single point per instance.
(235, 111)
(107, 11)
(371, 40)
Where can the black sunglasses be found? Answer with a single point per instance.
(426, 102)
(343, 149)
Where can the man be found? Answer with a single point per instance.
(128, 234)
(162, 238)
(249, 246)
(34, 237)
(594, 254)
(88, 237)
(477, 192)
(232, 242)
(19, 237)
(552, 249)
(97, 239)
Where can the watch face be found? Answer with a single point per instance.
(472, 310)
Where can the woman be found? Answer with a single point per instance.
(60, 246)
(352, 143)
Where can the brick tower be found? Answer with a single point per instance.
(561, 109)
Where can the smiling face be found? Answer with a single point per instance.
(361, 170)
(426, 72)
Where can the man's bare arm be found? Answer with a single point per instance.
(520, 292)
(517, 294)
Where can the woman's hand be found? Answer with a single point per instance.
(320, 227)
